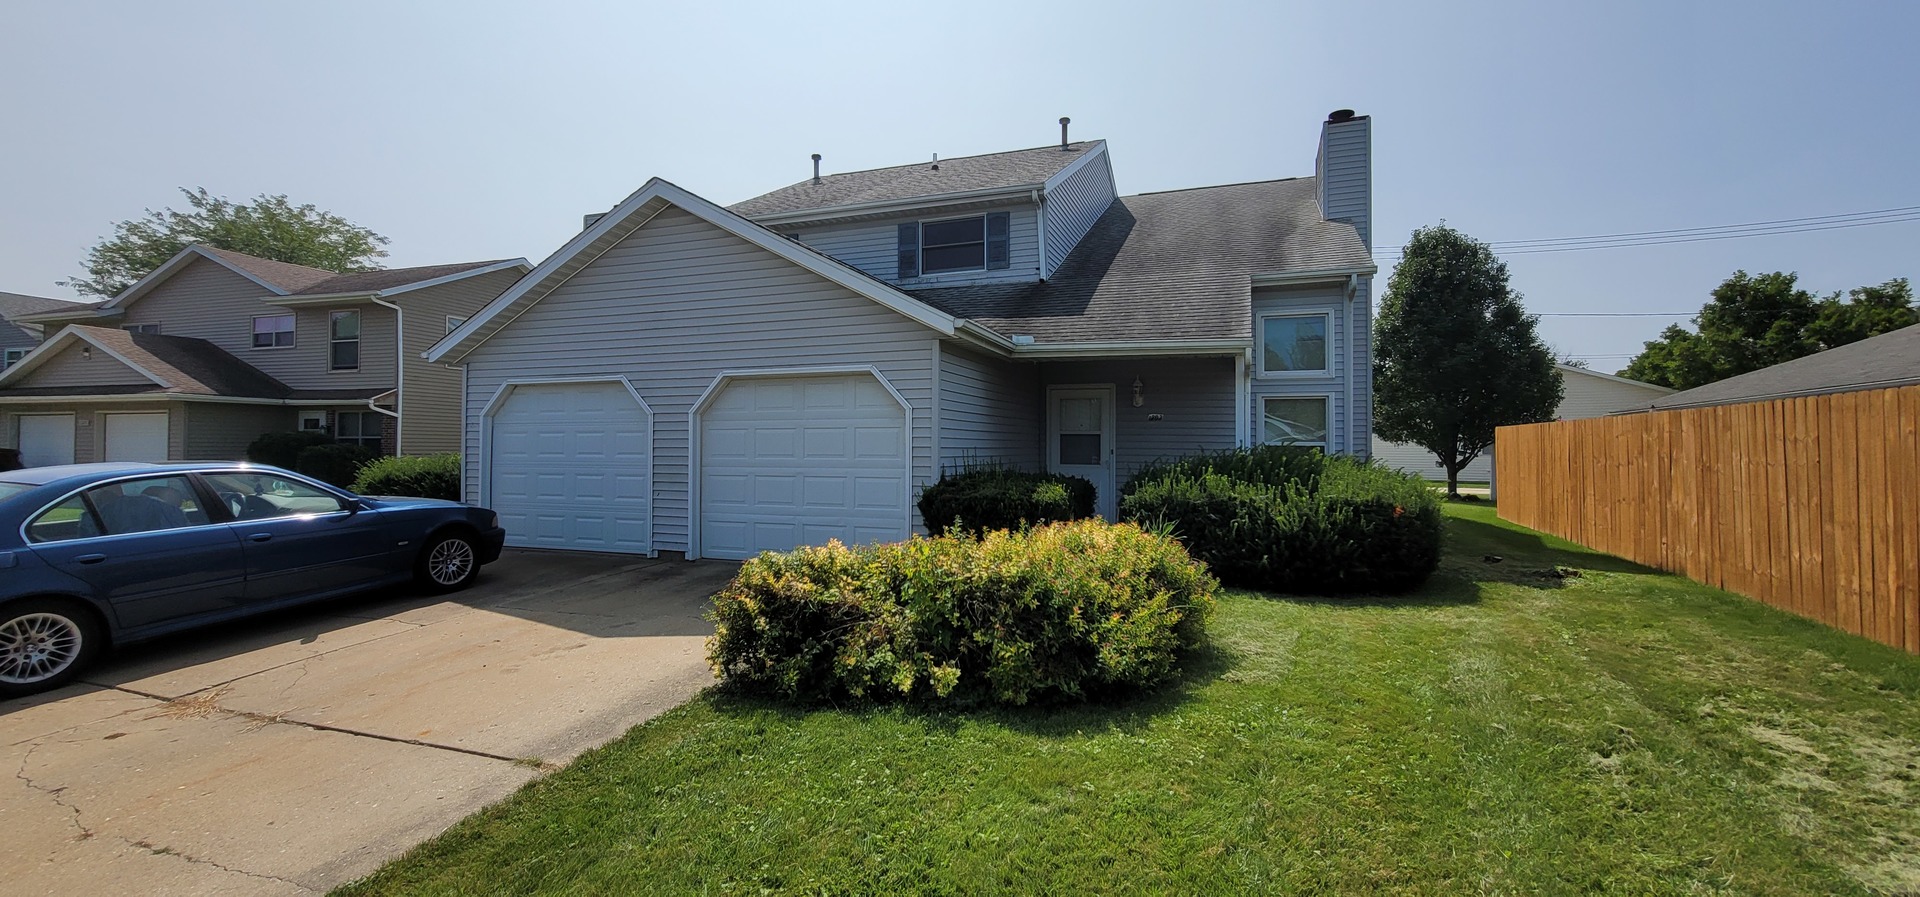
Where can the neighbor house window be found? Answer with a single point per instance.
(343, 350)
(455, 322)
(361, 428)
(1293, 344)
(976, 243)
(272, 331)
(313, 421)
(1289, 420)
(12, 357)
(140, 328)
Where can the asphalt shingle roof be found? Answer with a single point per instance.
(387, 278)
(1014, 168)
(1173, 265)
(285, 275)
(13, 305)
(1890, 359)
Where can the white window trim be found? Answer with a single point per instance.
(983, 245)
(12, 355)
(1261, 420)
(1260, 345)
(292, 330)
(141, 328)
(359, 341)
(319, 417)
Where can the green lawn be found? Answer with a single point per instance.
(1507, 731)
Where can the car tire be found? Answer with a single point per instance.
(449, 562)
(46, 643)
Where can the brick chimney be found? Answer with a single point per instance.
(1344, 167)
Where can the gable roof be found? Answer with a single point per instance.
(279, 278)
(628, 217)
(1011, 170)
(175, 364)
(1172, 265)
(1887, 360)
(391, 278)
(15, 305)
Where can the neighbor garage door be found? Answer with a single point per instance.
(793, 461)
(135, 437)
(46, 440)
(569, 467)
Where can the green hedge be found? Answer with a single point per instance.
(990, 498)
(423, 476)
(335, 462)
(283, 449)
(1284, 520)
(1060, 612)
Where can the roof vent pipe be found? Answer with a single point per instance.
(1063, 131)
(936, 161)
(816, 168)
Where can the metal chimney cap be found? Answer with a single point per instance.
(1340, 115)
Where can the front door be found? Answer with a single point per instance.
(1080, 439)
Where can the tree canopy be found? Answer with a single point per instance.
(1757, 321)
(1456, 355)
(269, 227)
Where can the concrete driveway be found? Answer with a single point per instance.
(294, 753)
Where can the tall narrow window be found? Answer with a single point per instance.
(343, 351)
(272, 331)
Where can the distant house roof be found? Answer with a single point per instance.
(1015, 168)
(285, 275)
(1890, 359)
(1173, 265)
(388, 278)
(13, 305)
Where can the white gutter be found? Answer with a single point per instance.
(1040, 223)
(399, 367)
(322, 299)
(168, 397)
(892, 205)
(1131, 347)
(1243, 392)
(1317, 274)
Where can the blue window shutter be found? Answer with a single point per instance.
(909, 250)
(997, 240)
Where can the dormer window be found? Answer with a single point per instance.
(954, 245)
(141, 328)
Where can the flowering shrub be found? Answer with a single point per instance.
(1061, 612)
(1283, 520)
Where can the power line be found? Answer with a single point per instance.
(1812, 224)
(1685, 231)
(1616, 314)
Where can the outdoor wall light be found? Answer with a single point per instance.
(86, 354)
(1139, 398)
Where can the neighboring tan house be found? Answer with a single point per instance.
(17, 337)
(687, 377)
(215, 348)
(1589, 394)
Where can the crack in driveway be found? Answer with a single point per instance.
(159, 850)
(52, 793)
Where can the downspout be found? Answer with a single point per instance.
(399, 368)
(1040, 222)
(1243, 408)
(1353, 288)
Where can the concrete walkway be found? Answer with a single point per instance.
(299, 752)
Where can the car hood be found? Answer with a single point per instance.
(404, 502)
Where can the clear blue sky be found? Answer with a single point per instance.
(476, 130)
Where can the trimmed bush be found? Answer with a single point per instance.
(1060, 612)
(424, 476)
(335, 462)
(1281, 520)
(990, 498)
(283, 449)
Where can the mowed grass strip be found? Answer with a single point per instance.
(1510, 729)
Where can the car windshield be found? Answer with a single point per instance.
(9, 490)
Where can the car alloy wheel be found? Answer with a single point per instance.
(450, 562)
(37, 647)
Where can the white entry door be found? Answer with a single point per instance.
(46, 440)
(135, 437)
(570, 465)
(1080, 439)
(792, 461)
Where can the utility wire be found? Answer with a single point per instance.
(1811, 224)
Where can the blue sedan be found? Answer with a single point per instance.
(93, 555)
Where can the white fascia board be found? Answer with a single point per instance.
(1313, 275)
(1624, 381)
(890, 206)
(59, 341)
(320, 299)
(1096, 151)
(718, 216)
(179, 260)
(1132, 348)
(83, 398)
(457, 276)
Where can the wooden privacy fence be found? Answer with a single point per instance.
(1811, 504)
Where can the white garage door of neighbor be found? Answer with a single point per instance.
(794, 461)
(135, 437)
(46, 440)
(569, 466)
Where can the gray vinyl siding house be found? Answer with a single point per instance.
(713, 381)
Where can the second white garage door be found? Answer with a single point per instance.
(790, 461)
(570, 467)
(138, 436)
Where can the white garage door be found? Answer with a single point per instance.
(46, 440)
(135, 437)
(569, 466)
(796, 461)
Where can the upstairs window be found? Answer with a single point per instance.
(273, 331)
(950, 245)
(343, 350)
(1294, 344)
(140, 328)
(11, 357)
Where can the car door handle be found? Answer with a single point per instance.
(90, 559)
(260, 537)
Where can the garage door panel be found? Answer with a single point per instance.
(798, 461)
(131, 436)
(570, 467)
(46, 440)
